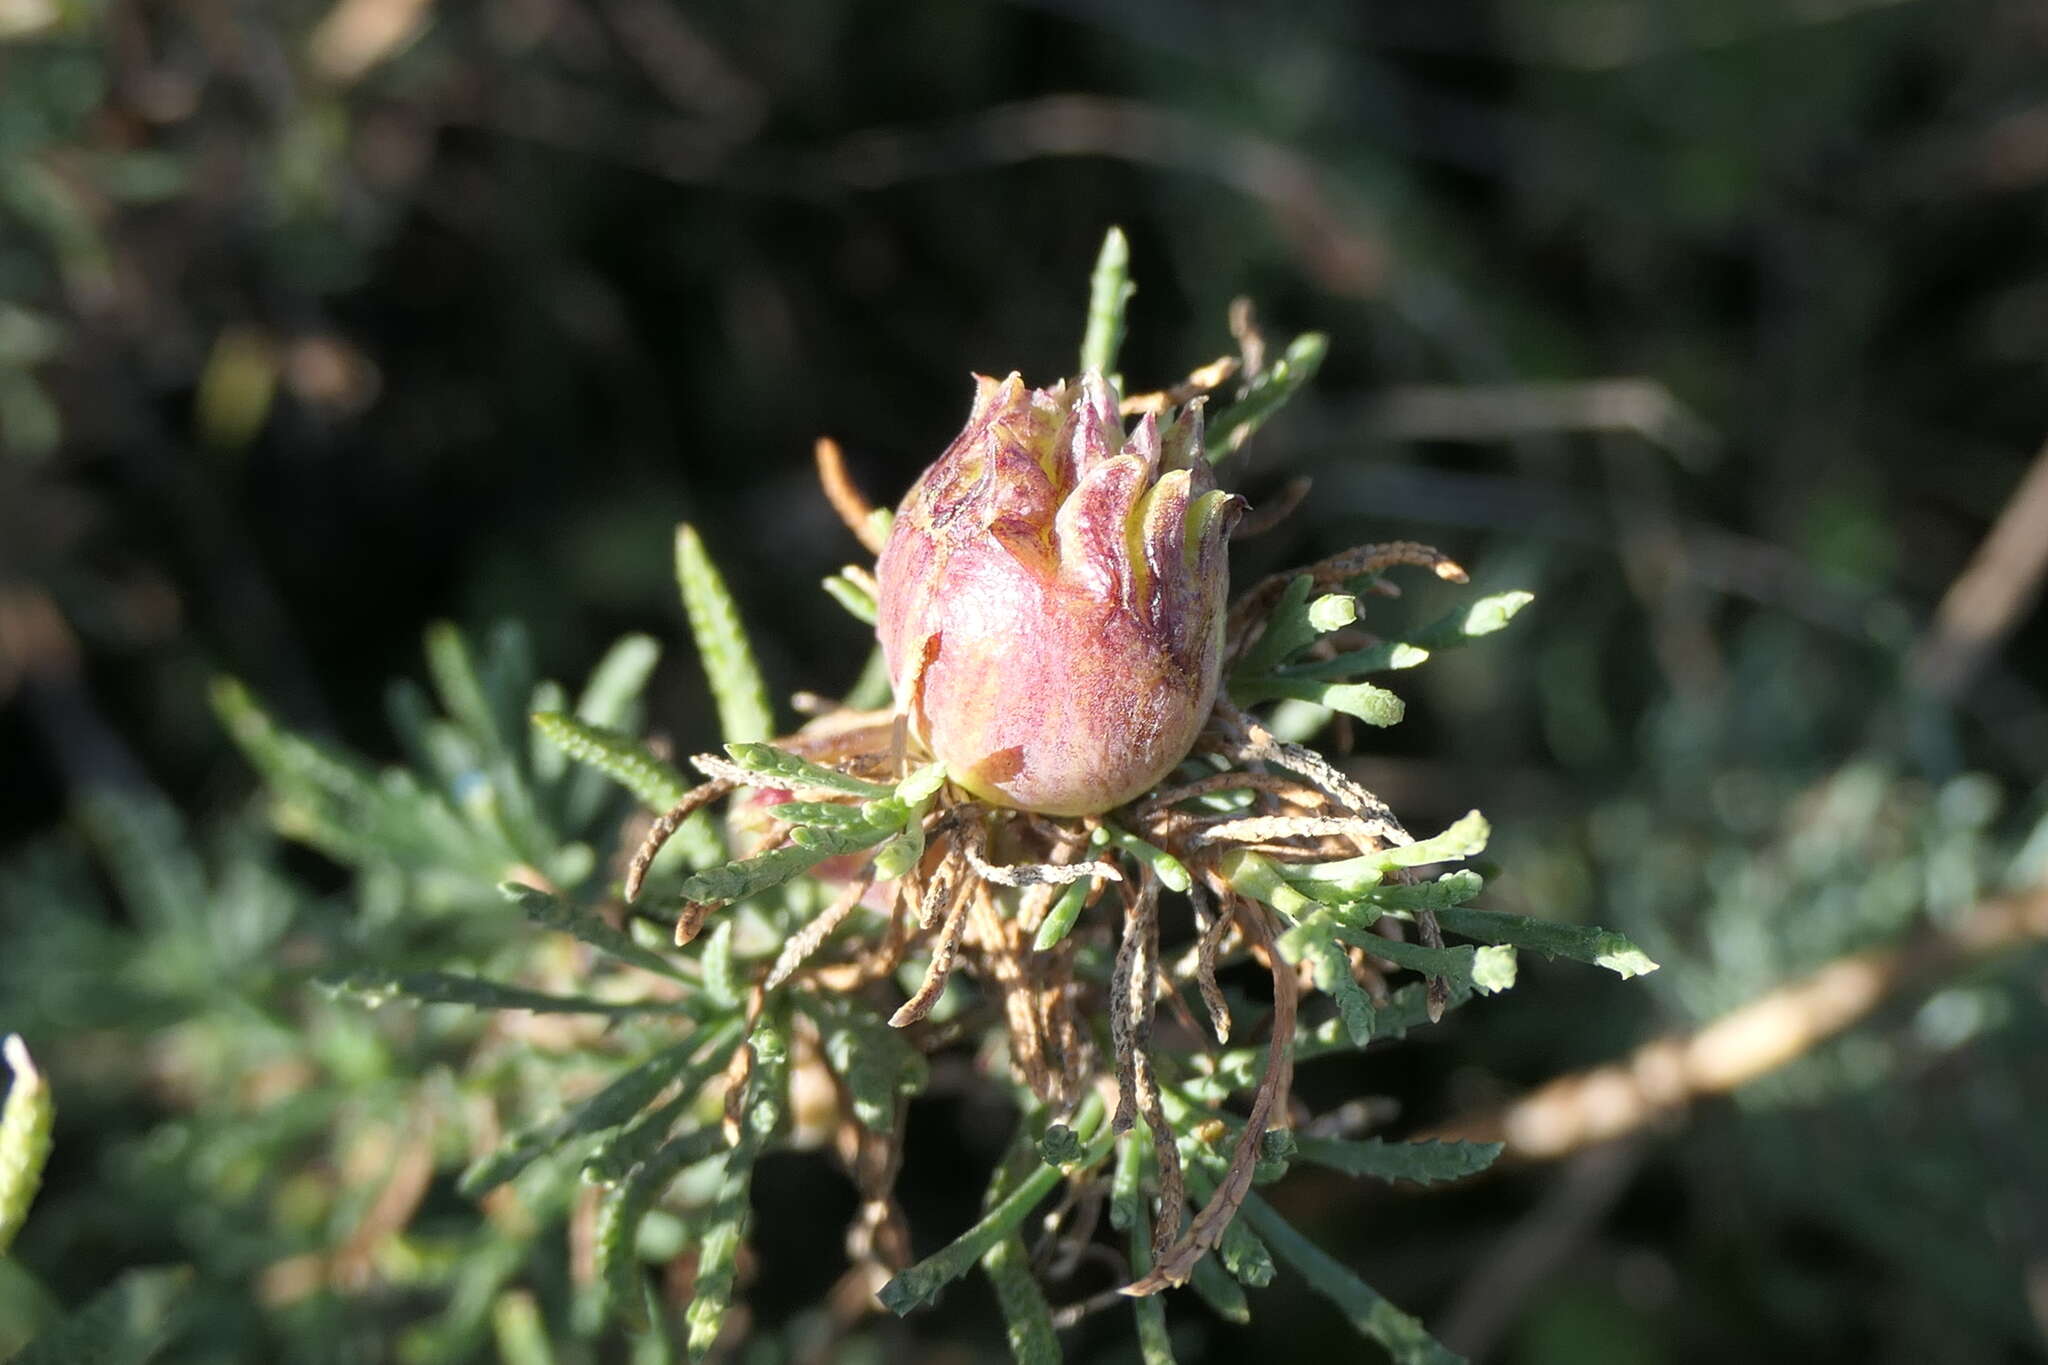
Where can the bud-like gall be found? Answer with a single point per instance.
(1052, 597)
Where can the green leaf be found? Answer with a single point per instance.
(433, 745)
(1276, 1149)
(1334, 978)
(1388, 656)
(835, 814)
(918, 788)
(25, 1125)
(620, 1215)
(736, 684)
(145, 849)
(1172, 873)
(1027, 1317)
(1060, 919)
(750, 876)
(1287, 631)
(505, 671)
(1369, 1314)
(1493, 969)
(725, 1218)
(549, 764)
(1127, 1211)
(1423, 1163)
(1453, 888)
(858, 601)
(1293, 624)
(921, 1283)
(1109, 293)
(1408, 1008)
(486, 699)
(1236, 1069)
(610, 1107)
(725, 1221)
(657, 783)
(294, 765)
(1464, 839)
(1486, 969)
(555, 912)
(783, 769)
(1579, 942)
(124, 1324)
(637, 1141)
(326, 797)
(1268, 393)
(1217, 1288)
(1375, 706)
(1332, 611)
(1241, 1250)
(1482, 617)
(1460, 627)
(730, 882)
(374, 986)
(609, 703)
(471, 1283)
(1060, 1145)
(900, 853)
(721, 977)
(871, 689)
(462, 691)
(878, 1066)
(618, 680)
(519, 1330)
(650, 1138)
(1251, 874)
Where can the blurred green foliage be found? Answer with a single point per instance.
(299, 349)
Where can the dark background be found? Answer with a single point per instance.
(308, 339)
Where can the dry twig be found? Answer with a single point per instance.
(1659, 1079)
(854, 510)
(1177, 1261)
